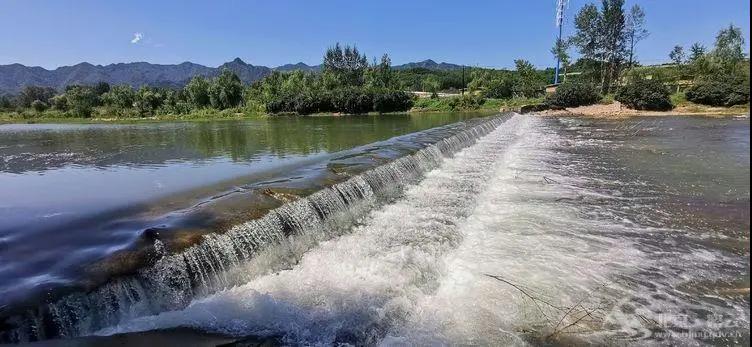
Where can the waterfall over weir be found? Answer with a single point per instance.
(272, 242)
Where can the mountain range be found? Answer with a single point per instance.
(14, 77)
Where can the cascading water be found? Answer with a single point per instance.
(261, 246)
(547, 210)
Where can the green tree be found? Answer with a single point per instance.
(59, 102)
(499, 88)
(225, 91)
(148, 100)
(559, 50)
(696, 52)
(431, 84)
(294, 83)
(101, 88)
(120, 97)
(81, 100)
(528, 82)
(30, 93)
(6, 103)
(602, 36)
(197, 92)
(729, 47)
(614, 43)
(346, 64)
(677, 55)
(379, 75)
(588, 36)
(39, 105)
(635, 30)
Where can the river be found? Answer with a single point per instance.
(507, 230)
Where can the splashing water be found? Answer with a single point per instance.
(523, 237)
(257, 247)
(519, 205)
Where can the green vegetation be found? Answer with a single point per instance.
(720, 91)
(606, 39)
(347, 84)
(573, 94)
(644, 94)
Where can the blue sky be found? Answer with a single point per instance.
(484, 33)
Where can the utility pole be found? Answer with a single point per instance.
(560, 5)
(462, 90)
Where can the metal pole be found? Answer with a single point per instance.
(462, 90)
(560, 5)
(558, 58)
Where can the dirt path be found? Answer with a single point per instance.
(617, 110)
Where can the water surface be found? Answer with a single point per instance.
(533, 230)
(71, 194)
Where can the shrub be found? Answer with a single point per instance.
(392, 101)
(720, 91)
(59, 102)
(644, 94)
(500, 88)
(81, 101)
(352, 101)
(6, 103)
(279, 105)
(466, 102)
(39, 105)
(573, 95)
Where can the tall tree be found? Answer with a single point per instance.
(559, 50)
(528, 82)
(197, 92)
(601, 36)
(729, 47)
(31, 93)
(345, 64)
(677, 55)
(588, 36)
(226, 90)
(635, 30)
(379, 75)
(696, 51)
(614, 44)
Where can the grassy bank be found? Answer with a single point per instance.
(607, 107)
(471, 103)
(105, 116)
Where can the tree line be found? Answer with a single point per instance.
(348, 83)
(606, 39)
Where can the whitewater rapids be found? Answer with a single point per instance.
(506, 242)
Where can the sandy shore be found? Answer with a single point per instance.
(617, 110)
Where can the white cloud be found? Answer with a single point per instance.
(137, 37)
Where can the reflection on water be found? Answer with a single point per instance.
(45, 147)
(69, 192)
(587, 221)
(627, 232)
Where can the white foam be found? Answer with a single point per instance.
(415, 271)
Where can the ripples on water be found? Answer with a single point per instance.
(545, 230)
(531, 204)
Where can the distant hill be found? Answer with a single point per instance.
(430, 65)
(299, 66)
(14, 77)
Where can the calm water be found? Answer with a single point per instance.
(68, 193)
(536, 230)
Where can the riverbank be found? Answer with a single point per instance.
(615, 110)
(30, 117)
(423, 106)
